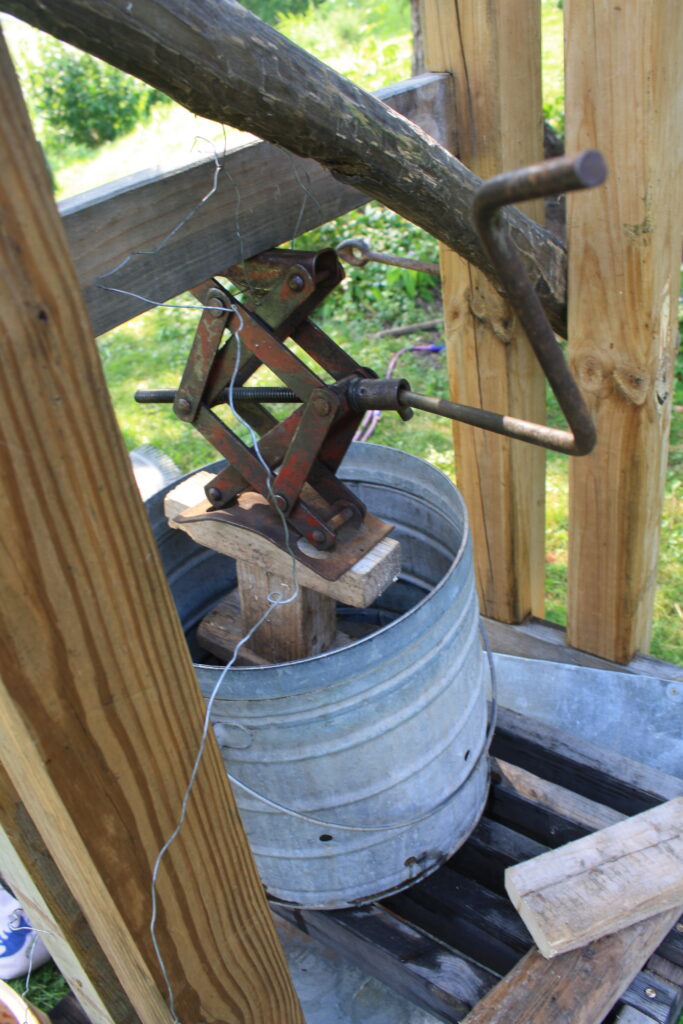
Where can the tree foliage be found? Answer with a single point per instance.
(78, 99)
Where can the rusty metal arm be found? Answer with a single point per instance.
(562, 174)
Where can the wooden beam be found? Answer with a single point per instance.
(625, 96)
(494, 53)
(50, 906)
(605, 881)
(222, 62)
(264, 196)
(100, 713)
(575, 988)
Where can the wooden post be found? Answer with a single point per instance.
(494, 53)
(625, 97)
(100, 713)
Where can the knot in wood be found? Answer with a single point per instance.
(633, 384)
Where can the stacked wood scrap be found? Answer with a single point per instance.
(604, 882)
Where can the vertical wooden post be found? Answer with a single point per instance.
(624, 94)
(100, 713)
(493, 50)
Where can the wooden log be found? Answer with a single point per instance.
(264, 196)
(624, 94)
(493, 51)
(575, 988)
(359, 586)
(222, 62)
(100, 713)
(607, 880)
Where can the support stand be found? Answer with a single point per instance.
(300, 628)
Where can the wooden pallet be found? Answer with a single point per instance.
(446, 942)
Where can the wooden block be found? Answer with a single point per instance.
(220, 631)
(300, 628)
(603, 882)
(359, 586)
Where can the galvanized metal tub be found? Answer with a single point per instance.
(359, 771)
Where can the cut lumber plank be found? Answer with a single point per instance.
(595, 772)
(536, 638)
(222, 62)
(100, 713)
(603, 882)
(303, 626)
(50, 906)
(424, 971)
(220, 631)
(578, 987)
(552, 796)
(624, 82)
(264, 196)
(493, 51)
(358, 586)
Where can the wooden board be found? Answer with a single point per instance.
(601, 883)
(493, 51)
(624, 96)
(576, 988)
(100, 711)
(264, 196)
(358, 586)
(535, 638)
(258, 81)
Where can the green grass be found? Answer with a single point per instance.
(46, 988)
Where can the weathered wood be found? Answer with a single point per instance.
(299, 628)
(607, 880)
(100, 713)
(40, 888)
(359, 586)
(264, 196)
(575, 988)
(624, 95)
(494, 53)
(222, 62)
(221, 630)
(546, 641)
(426, 972)
(592, 771)
(549, 795)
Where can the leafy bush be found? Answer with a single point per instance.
(78, 99)
(273, 10)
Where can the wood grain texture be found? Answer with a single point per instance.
(575, 988)
(256, 80)
(264, 196)
(494, 53)
(607, 880)
(300, 628)
(624, 95)
(359, 586)
(549, 795)
(100, 713)
(50, 906)
(546, 641)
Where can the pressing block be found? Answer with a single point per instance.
(359, 586)
(603, 882)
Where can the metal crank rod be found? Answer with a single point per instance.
(562, 174)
